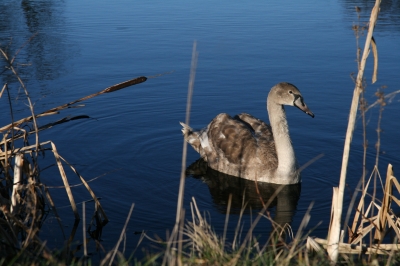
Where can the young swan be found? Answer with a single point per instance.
(246, 147)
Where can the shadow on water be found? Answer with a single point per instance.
(246, 191)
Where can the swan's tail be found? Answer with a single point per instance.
(191, 136)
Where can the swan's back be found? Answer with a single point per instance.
(240, 146)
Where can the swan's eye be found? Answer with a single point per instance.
(291, 92)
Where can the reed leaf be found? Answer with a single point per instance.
(65, 181)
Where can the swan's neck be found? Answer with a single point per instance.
(287, 165)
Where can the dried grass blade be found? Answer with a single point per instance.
(363, 231)
(55, 110)
(333, 208)
(394, 180)
(105, 221)
(173, 235)
(84, 229)
(226, 219)
(2, 90)
(389, 96)
(65, 180)
(383, 212)
(375, 53)
(313, 160)
(360, 205)
(22, 46)
(312, 245)
(122, 234)
(303, 224)
(23, 120)
(11, 67)
(113, 88)
(395, 228)
(368, 210)
(395, 200)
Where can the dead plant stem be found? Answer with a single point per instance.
(84, 229)
(10, 62)
(122, 235)
(172, 238)
(333, 241)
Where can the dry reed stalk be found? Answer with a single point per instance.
(123, 232)
(55, 110)
(335, 226)
(360, 207)
(11, 112)
(238, 226)
(294, 249)
(25, 133)
(17, 187)
(180, 237)
(65, 181)
(84, 230)
(313, 160)
(388, 97)
(375, 52)
(174, 233)
(187, 119)
(228, 209)
(10, 62)
(96, 200)
(3, 89)
(383, 211)
(346, 248)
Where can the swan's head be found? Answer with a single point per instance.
(287, 94)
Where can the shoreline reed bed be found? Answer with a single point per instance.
(24, 200)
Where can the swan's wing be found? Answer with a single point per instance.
(257, 125)
(230, 139)
(265, 140)
(233, 142)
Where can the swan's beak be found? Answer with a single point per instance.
(299, 103)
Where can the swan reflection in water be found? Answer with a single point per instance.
(242, 190)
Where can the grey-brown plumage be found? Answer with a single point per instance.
(246, 147)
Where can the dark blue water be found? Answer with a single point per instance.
(133, 136)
